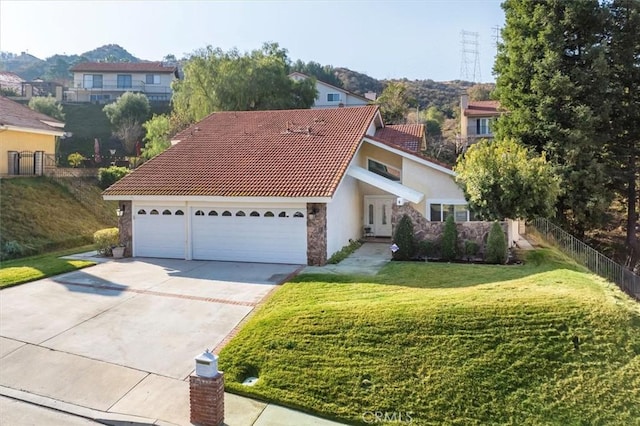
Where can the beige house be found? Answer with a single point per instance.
(289, 186)
(103, 82)
(476, 118)
(27, 139)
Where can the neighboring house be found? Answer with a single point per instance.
(330, 96)
(476, 118)
(10, 82)
(289, 186)
(27, 139)
(103, 82)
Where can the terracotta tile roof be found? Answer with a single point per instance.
(286, 153)
(482, 109)
(408, 136)
(413, 153)
(123, 67)
(15, 114)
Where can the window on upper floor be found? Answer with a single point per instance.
(333, 97)
(92, 81)
(152, 79)
(384, 170)
(483, 126)
(124, 81)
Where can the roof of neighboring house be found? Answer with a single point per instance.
(123, 67)
(408, 136)
(11, 81)
(17, 115)
(355, 95)
(285, 153)
(482, 109)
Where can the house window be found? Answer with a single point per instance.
(179, 213)
(199, 213)
(240, 213)
(440, 212)
(154, 211)
(298, 214)
(269, 214)
(213, 213)
(124, 81)
(141, 211)
(254, 214)
(483, 126)
(282, 214)
(384, 170)
(167, 212)
(370, 214)
(333, 97)
(226, 213)
(92, 81)
(152, 79)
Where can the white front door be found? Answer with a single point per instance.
(377, 215)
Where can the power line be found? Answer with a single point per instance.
(470, 62)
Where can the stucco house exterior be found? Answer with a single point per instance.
(476, 118)
(330, 96)
(27, 139)
(103, 82)
(290, 186)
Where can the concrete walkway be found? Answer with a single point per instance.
(366, 260)
(114, 343)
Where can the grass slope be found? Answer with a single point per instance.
(39, 214)
(448, 344)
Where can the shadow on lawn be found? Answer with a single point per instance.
(453, 275)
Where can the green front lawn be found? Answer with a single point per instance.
(447, 344)
(19, 271)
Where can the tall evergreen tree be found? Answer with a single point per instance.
(624, 59)
(552, 77)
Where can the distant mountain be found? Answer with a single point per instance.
(56, 67)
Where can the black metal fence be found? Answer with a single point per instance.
(586, 255)
(26, 163)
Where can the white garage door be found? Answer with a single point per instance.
(159, 232)
(249, 235)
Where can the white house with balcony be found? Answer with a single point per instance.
(103, 82)
(330, 96)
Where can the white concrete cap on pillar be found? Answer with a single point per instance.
(207, 364)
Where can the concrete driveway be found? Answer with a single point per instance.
(120, 337)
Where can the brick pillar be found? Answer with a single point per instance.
(206, 398)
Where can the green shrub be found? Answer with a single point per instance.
(496, 251)
(105, 239)
(404, 239)
(428, 248)
(75, 159)
(449, 245)
(12, 249)
(344, 252)
(107, 176)
(471, 249)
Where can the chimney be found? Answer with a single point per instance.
(464, 101)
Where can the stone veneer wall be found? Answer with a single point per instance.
(317, 234)
(425, 230)
(125, 226)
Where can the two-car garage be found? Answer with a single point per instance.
(230, 233)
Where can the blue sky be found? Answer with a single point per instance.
(384, 39)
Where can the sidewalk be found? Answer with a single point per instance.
(22, 408)
(366, 260)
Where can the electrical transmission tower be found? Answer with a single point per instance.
(470, 64)
(496, 36)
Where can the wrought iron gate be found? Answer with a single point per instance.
(26, 163)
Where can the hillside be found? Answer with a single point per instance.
(40, 214)
(56, 67)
